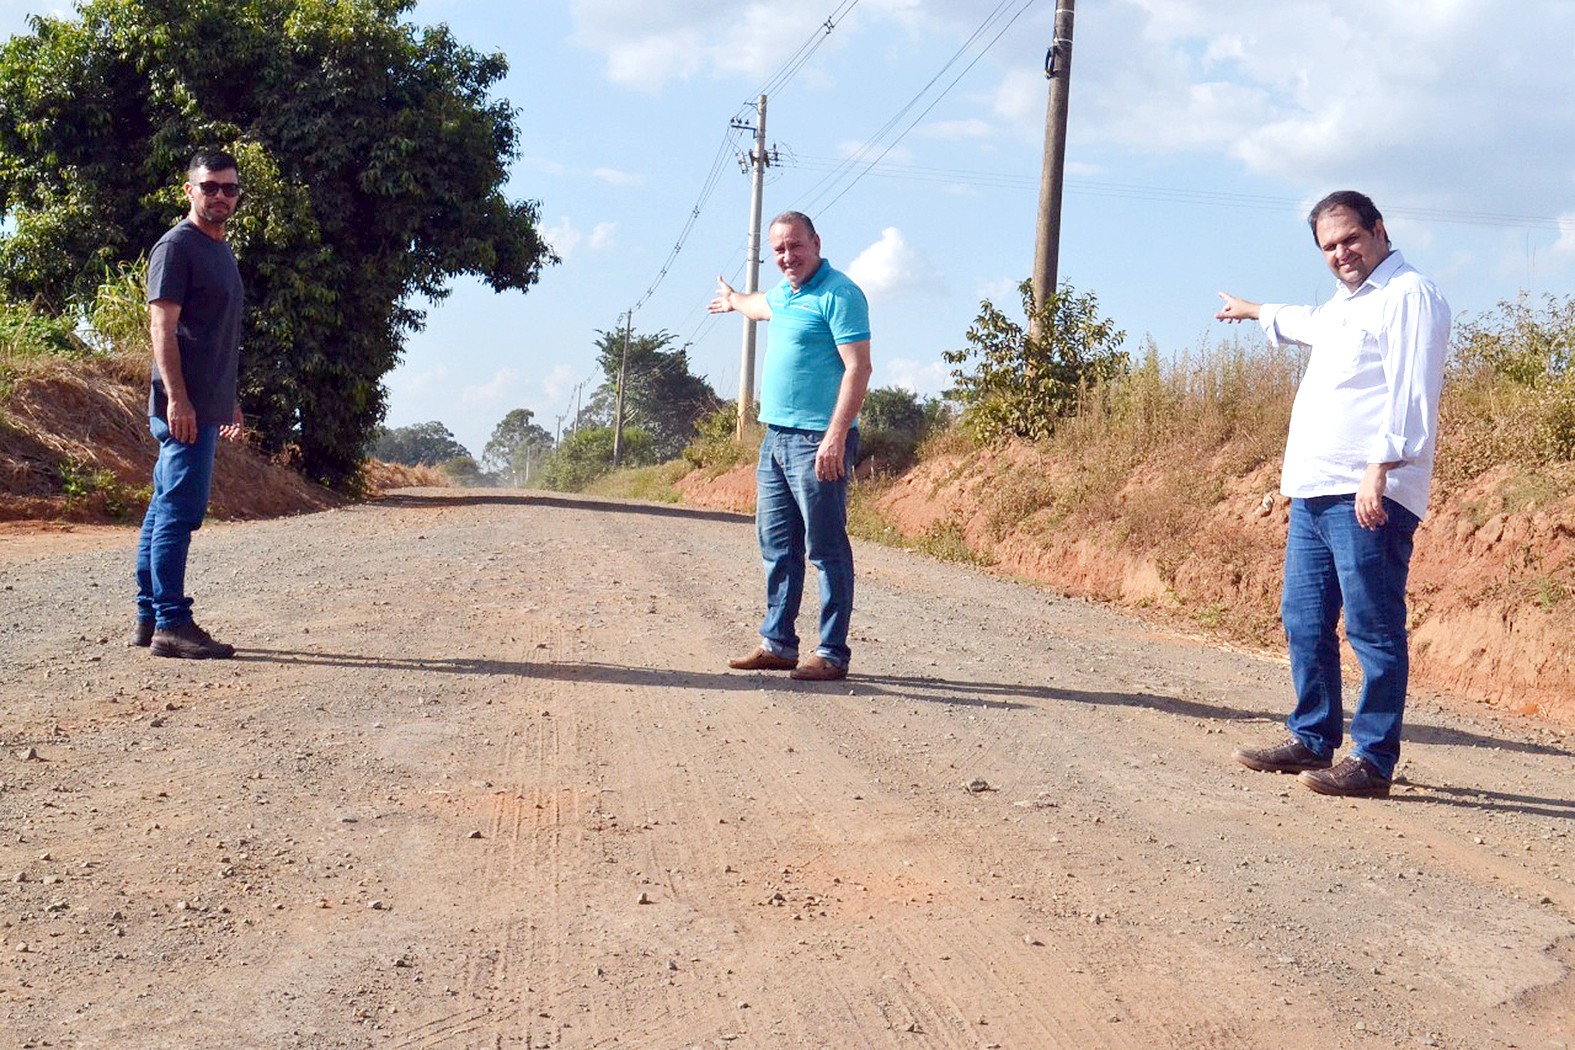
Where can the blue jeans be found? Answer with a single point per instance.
(1332, 561)
(181, 480)
(798, 515)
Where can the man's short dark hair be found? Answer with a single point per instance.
(788, 218)
(1360, 203)
(213, 160)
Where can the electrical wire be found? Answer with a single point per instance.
(789, 69)
(993, 17)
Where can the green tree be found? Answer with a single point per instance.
(586, 454)
(517, 445)
(1020, 385)
(418, 445)
(372, 155)
(892, 424)
(661, 396)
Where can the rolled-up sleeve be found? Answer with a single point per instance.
(1414, 350)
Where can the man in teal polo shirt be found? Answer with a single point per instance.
(817, 370)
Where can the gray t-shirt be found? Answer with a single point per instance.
(190, 268)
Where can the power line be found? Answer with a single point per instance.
(826, 185)
(790, 68)
(1132, 191)
(994, 15)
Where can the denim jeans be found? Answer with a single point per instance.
(181, 480)
(798, 515)
(1332, 561)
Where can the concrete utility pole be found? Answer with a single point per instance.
(758, 160)
(623, 374)
(1058, 70)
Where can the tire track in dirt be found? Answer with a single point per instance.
(548, 672)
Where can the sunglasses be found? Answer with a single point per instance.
(213, 189)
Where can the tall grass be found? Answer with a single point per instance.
(1180, 426)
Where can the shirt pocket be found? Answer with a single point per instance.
(1358, 359)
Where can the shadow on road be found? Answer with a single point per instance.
(1006, 696)
(996, 695)
(1495, 801)
(505, 499)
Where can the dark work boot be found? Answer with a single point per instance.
(189, 642)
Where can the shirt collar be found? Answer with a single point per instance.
(815, 279)
(1377, 279)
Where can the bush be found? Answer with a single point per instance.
(586, 454)
(716, 446)
(1511, 392)
(1025, 379)
(892, 426)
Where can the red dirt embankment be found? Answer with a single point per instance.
(1492, 592)
(74, 446)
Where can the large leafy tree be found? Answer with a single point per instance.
(516, 446)
(661, 396)
(420, 444)
(373, 160)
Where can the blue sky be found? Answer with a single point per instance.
(1200, 132)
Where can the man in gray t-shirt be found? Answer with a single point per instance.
(195, 306)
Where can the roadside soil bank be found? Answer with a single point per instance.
(1492, 589)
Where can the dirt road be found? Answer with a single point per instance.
(478, 777)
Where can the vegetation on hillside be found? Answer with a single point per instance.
(373, 161)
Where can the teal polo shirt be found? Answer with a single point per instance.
(803, 371)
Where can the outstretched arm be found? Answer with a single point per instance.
(751, 304)
(1235, 309)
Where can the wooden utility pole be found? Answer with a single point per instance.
(623, 374)
(758, 159)
(1058, 70)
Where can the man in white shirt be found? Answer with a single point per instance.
(1358, 468)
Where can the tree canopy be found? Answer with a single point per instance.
(373, 161)
(1021, 384)
(418, 445)
(661, 396)
(516, 448)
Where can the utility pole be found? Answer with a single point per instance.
(758, 160)
(623, 373)
(1058, 70)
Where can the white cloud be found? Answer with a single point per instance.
(647, 43)
(614, 177)
(412, 384)
(493, 392)
(1403, 99)
(953, 130)
(563, 237)
(1003, 293)
(925, 378)
(1564, 247)
(891, 269)
(603, 236)
(559, 383)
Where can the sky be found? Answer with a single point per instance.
(912, 131)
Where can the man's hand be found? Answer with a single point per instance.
(1370, 512)
(830, 456)
(1237, 309)
(723, 303)
(235, 430)
(182, 420)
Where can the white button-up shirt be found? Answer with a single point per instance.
(1370, 392)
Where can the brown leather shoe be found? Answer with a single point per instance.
(1352, 777)
(818, 669)
(762, 659)
(189, 642)
(1290, 757)
(142, 635)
